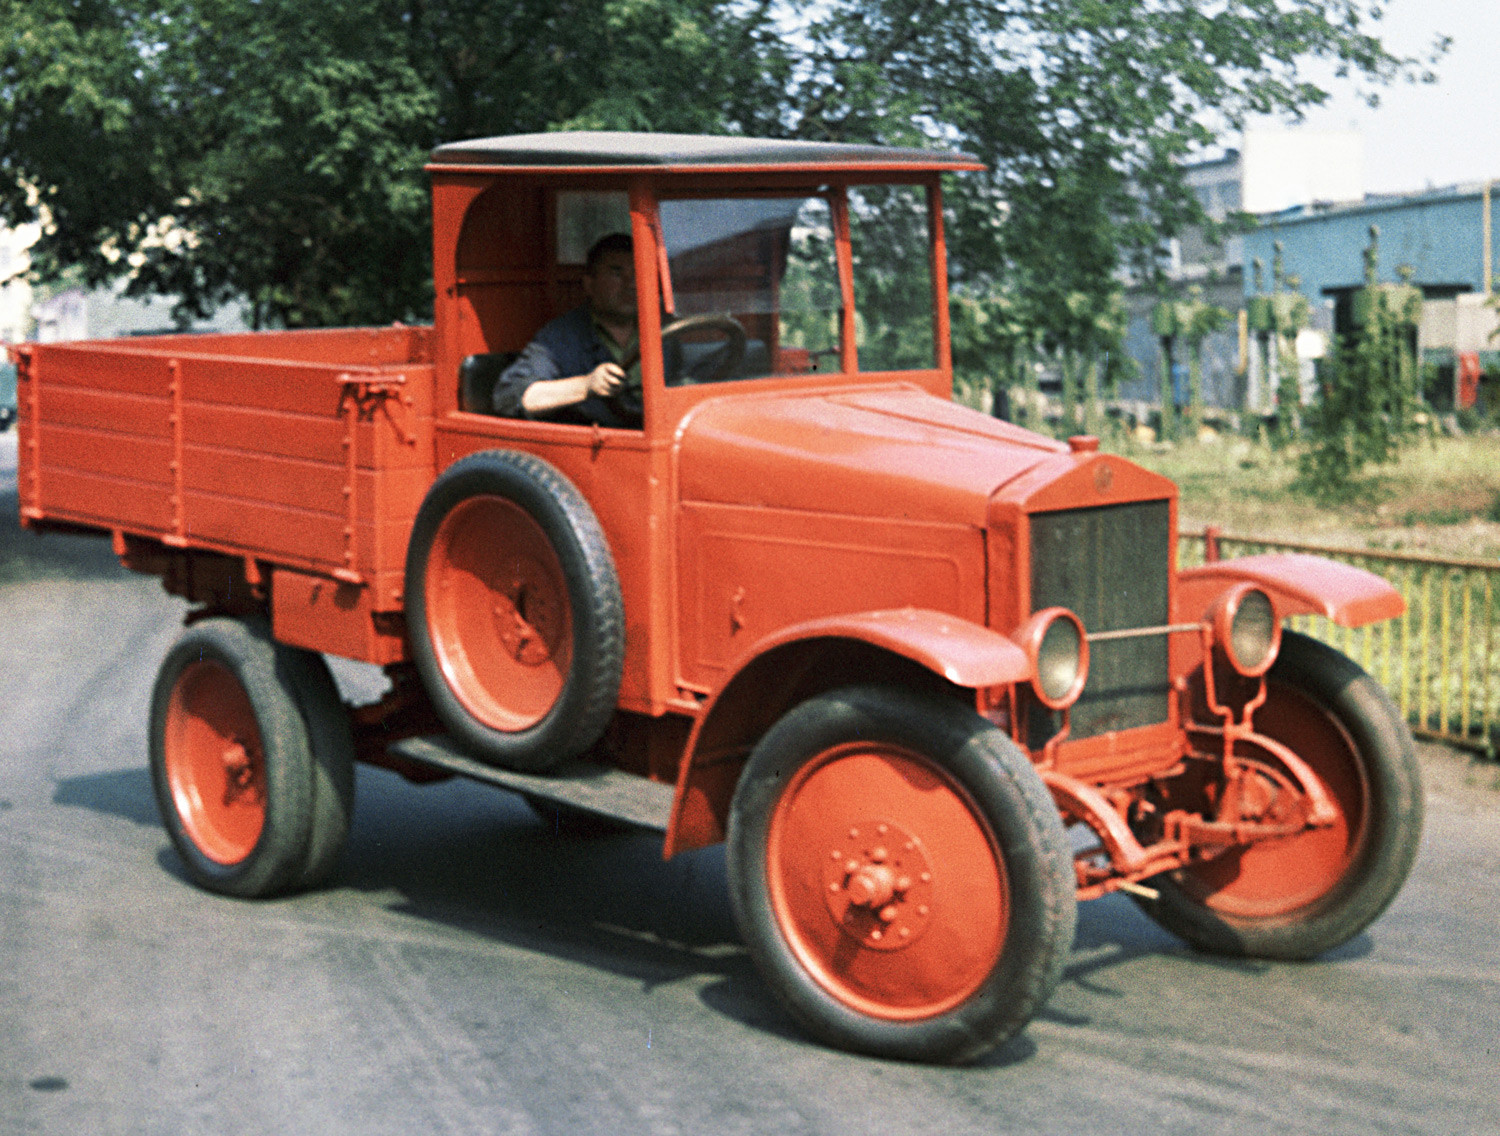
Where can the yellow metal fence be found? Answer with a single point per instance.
(1440, 661)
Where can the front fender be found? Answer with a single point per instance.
(1297, 583)
(908, 645)
(964, 653)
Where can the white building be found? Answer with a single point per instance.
(77, 313)
(15, 292)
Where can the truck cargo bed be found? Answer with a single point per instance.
(308, 449)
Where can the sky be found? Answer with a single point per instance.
(1434, 135)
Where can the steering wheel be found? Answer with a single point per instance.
(628, 401)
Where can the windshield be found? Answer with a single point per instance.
(758, 276)
(888, 234)
(768, 264)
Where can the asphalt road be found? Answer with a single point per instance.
(471, 970)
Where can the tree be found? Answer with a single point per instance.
(1368, 388)
(272, 149)
(1199, 320)
(1083, 109)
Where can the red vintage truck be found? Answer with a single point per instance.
(932, 677)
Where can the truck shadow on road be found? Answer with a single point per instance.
(1113, 932)
(122, 792)
(479, 862)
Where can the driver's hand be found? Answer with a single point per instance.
(606, 379)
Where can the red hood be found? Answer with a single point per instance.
(888, 452)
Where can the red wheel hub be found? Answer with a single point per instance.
(878, 886)
(215, 763)
(498, 613)
(527, 617)
(886, 882)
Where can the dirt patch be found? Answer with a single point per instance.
(1472, 783)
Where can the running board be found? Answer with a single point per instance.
(597, 789)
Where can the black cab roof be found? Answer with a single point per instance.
(618, 151)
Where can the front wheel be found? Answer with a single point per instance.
(1299, 896)
(900, 875)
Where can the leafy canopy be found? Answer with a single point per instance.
(271, 150)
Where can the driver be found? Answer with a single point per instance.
(574, 367)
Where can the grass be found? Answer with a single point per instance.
(1441, 661)
(1442, 497)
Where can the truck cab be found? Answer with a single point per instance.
(789, 284)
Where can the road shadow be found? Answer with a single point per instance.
(747, 1000)
(1113, 932)
(125, 793)
(25, 555)
(480, 861)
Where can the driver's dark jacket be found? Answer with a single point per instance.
(569, 345)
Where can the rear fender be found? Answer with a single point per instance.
(911, 647)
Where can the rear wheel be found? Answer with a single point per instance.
(331, 742)
(251, 760)
(900, 875)
(1296, 897)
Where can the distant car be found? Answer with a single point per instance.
(7, 394)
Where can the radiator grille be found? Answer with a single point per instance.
(1109, 565)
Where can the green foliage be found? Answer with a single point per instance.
(990, 335)
(1368, 390)
(892, 277)
(1191, 321)
(271, 150)
(810, 297)
(1199, 321)
(1083, 112)
(1276, 318)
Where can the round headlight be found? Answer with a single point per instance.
(1246, 627)
(1054, 640)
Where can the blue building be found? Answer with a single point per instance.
(1443, 238)
(1444, 235)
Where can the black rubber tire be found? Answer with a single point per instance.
(577, 718)
(1008, 799)
(306, 751)
(331, 737)
(1383, 848)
